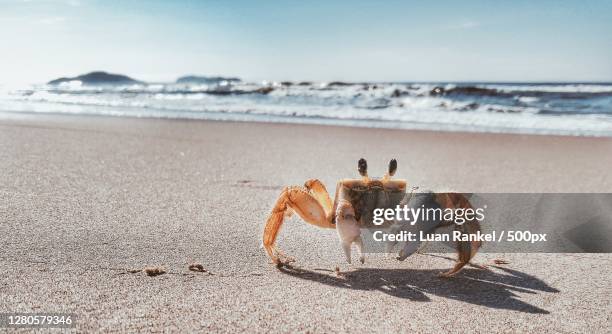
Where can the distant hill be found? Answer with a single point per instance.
(97, 78)
(198, 79)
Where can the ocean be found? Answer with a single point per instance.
(579, 109)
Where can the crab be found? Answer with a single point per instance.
(350, 212)
(426, 200)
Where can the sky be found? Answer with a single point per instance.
(308, 40)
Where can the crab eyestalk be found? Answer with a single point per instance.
(392, 169)
(362, 167)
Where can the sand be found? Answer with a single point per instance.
(86, 203)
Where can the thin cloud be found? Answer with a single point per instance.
(73, 3)
(52, 20)
(464, 25)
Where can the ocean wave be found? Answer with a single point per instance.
(555, 88)
(350, 90)
(565, 92)
(591, 125)
(166, 89)
(450, 104)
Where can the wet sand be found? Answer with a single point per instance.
(84, 200)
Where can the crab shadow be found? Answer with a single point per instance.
(494, 289)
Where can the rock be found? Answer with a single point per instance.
(154, 271)
(197, 267)
(98, 78)
(339, 83)
(264, 90)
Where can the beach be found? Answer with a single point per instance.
(86, 200)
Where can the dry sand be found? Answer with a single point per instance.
(86, 202)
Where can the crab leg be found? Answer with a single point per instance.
(465, 250)
(318, 191)
(305, 204)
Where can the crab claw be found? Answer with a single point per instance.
(349, 230)
(409, 248)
